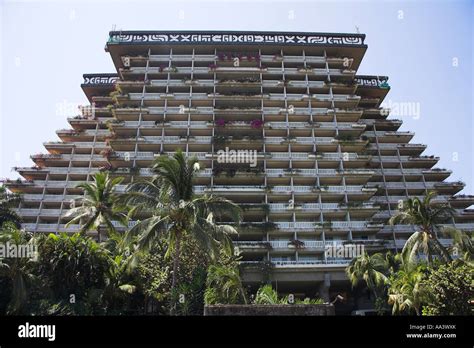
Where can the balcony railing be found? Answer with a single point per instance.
(311, 262)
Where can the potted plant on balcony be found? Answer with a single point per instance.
(216, 171)
(305, 69)
(231, 172)
(107, 153)
(219, 139)
(256, 170)
(268, 226)
(134, 170)
(321, 188)
(189, 81)
(296, 244)
(268, 188)
(107, 167)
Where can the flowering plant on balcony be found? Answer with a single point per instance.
(220, 122)
(251, 57)
(256, 123)
(213, 66)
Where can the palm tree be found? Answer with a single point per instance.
(267, 295)
(18, 270)
(224, 283)
(171, 210)
(427, 216)
(116, 285)
(370, 268)
(98, 206)
(406, 291)
(7, 202)
(462, 243)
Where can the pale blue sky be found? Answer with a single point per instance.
(46, 46)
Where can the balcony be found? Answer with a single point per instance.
(51, 228)
(247, 189)
(27, 197)
(279, 207)
(338, 225)
(303, 263)
(285, 244)
(38, 212)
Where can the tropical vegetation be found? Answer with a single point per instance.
(426, 278)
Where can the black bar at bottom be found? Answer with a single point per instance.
(291, 331)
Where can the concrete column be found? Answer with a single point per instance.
(324, 287)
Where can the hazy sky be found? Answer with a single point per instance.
(425, 47)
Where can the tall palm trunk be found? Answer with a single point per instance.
(242, 293)
(442, 250)
(176, 259)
